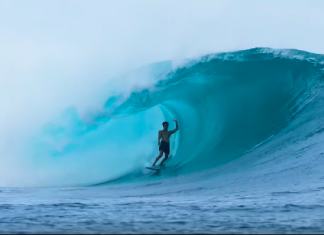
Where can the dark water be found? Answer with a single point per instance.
(194, 210)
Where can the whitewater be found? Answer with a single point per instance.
(247, 158)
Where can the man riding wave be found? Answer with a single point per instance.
(164, 145)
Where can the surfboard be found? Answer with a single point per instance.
(153, 169)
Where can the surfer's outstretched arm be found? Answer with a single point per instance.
(177, 127)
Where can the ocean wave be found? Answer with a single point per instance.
(226, 103)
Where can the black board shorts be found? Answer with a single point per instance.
(165, 147)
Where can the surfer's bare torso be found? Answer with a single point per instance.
(165, 135)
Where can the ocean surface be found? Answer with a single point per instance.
(248, 156)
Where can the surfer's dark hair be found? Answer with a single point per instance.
(163, 123)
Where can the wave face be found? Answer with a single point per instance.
(227, 104)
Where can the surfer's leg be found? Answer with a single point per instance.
(165, 158)
(158, 158)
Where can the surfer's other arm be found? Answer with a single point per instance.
(159, 137)
(177, 127)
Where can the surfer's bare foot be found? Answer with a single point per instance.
(154, 166)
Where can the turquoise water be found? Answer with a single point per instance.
(247, 158)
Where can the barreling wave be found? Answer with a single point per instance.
(226, 104)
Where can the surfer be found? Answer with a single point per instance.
(164, 145)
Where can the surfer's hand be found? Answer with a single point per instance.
(175, 120)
